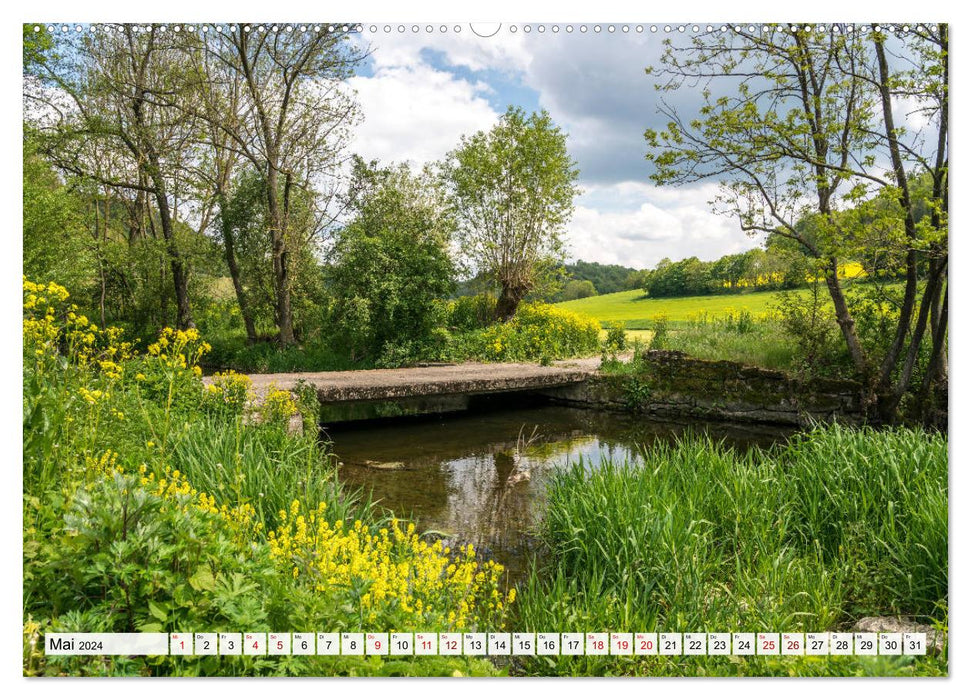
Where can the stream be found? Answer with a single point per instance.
(457, 475)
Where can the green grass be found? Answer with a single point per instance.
(738, 327)
(735, 337)
(838, 525)
(263, 466)
(230, 350)
(636, 310)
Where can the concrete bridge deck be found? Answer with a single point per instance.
(435, 380)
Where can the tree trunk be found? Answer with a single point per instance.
(934, 283)
(936, 377)
(508, 302)
(910, 226)
(939, 325)
(229, 244)
(844, 319)
(180, 276)
(281, 271)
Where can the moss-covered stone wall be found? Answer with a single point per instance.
(673, 385)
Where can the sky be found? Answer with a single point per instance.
(419, 92)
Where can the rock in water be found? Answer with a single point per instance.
(386, 466)
(518, 476)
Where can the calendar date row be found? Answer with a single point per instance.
(489, 644)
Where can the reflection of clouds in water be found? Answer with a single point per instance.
(469, 497)
(456, 475)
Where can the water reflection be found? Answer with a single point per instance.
(463, 476)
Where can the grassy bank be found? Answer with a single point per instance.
(838, 525)
(735, 336)
(536, 333)
(739, 327)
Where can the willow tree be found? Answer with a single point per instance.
(797, 124)
(512, 191)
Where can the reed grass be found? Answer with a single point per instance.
(265, 467)
(695, 536)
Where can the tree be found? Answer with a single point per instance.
(120, 127)
(512, 193)
(807, 111)
(296, 113)
(607, 279)
(218, 94)
(576, 289)
(390, 267)
(54, 230)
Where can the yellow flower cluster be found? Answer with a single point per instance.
(229, 388)
(40, 326)
(174, 485)
(179, 349)
(278, 406)
(92, 396)
(104, 465)
(39, 295)
(419, 583)
(541, 330)
(49, 322)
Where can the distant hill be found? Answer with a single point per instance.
(606, 278)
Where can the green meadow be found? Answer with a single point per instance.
(636, 310)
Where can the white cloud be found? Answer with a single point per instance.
(504, 51)
(417, 113)
(636, 225)
(594, 87)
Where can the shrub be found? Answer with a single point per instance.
(616, 340)
(659, 324)
(277, 407)
(469, 313)
(227, 394)
(391, 578)
(537, 331)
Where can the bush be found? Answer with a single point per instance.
(470, 313)
(390, 266)
(537, 332)
(810, 323)
(616, 340)
(227, 394)
(659, 325)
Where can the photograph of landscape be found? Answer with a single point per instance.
(546, 329)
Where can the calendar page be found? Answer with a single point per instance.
(514, 349)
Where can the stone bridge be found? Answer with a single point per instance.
(387, 393)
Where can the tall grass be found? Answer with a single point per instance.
(698, 537)
(263, 466)
(738, 336)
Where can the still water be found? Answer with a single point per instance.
(462, 476)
